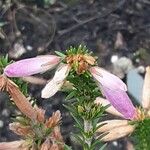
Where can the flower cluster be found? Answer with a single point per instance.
(42, 135)
(78, 73)
(37, 131)
(117, 128)
(111, 86)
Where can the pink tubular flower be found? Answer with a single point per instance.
(120, 100)
(56, 83)
(115, 91)
(31, 66)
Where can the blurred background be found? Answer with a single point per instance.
(117, 31)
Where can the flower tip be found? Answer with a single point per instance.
(92, 70)
(44, 94)
(51, 89)
(8, 72)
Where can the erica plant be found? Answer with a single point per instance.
(86, 85)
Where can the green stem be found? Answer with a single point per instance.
(87, 128)
(83, 108)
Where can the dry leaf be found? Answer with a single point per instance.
(56, 134)
(3, 82)
(46, 145)
(20, 129)
(89, 59)
(119, 44)
(20, 100)
(54, 120)
(40, 114)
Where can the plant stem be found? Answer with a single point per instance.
(83, 109)
(87, 128)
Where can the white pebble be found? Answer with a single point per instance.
(115, 143)
(114, 58)
(29, 48)
(141, 69)
(1, 123)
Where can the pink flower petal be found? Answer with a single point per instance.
(120, 100)
(110, 109)
(107, 79)
(27, 67)
(56, 83)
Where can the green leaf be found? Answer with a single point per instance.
(80, 125)
(78, 139)
(104, 146)
(71, 95)
(96, 142)
(71, 109)
(48, 131)
(66, 147)
(60, 54)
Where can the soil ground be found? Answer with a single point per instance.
(33, 28)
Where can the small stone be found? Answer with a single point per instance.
(17, 51)
(137, 60)
(114, 58)
(135, 84)
(141, 69)
(122, 66)
(115, 143)
(5, 112)
(29, 48)
(119, 43)
(1, 123)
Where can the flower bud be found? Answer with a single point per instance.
(111, 124)
(118, 132)
(27, 67)
(56, 83)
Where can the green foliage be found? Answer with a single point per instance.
(78, 50)
(23, 86)
(37, 132)
(60, 54)
(85, 88)
(142, 135)
(4, 62)
(66, 147)
(82, 107)
(23, 120)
